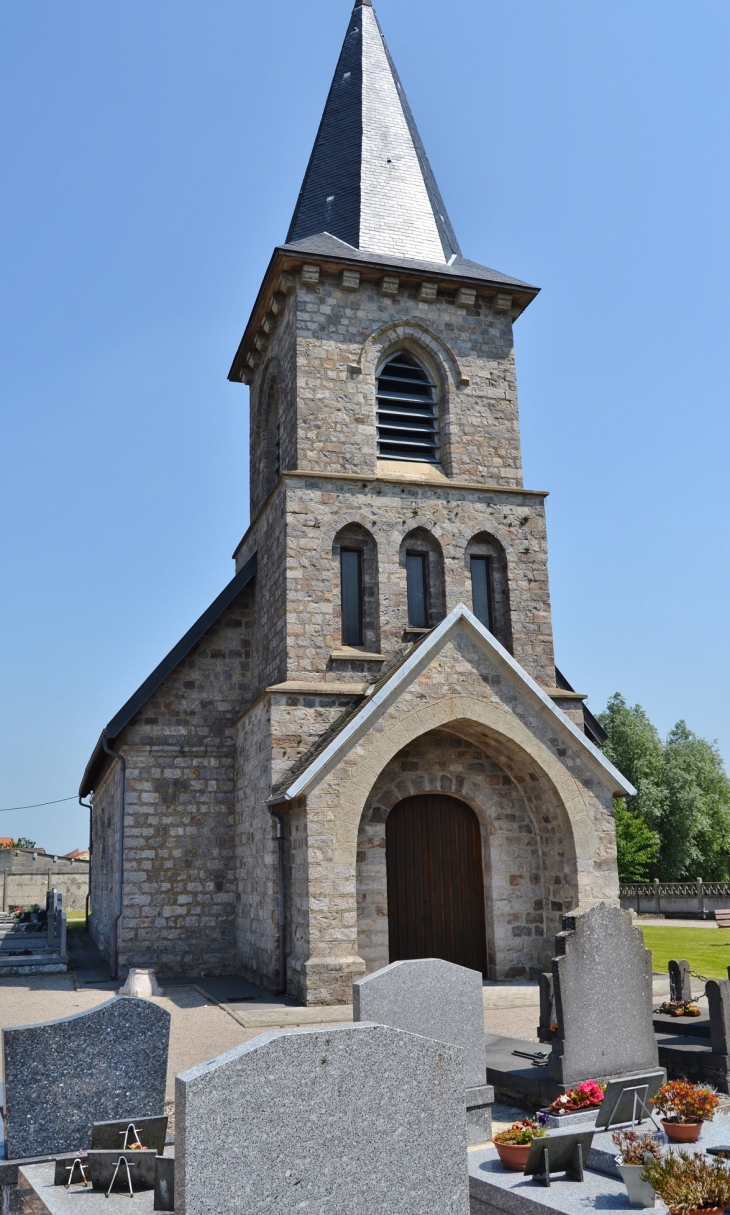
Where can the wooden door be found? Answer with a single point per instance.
(435, 882)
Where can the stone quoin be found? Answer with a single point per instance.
(363, 752)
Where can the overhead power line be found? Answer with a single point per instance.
(37, 805)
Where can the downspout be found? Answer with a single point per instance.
(114, 959)
(88, 806)
(282, 902)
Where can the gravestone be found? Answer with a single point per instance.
(438, 1000)
(63, 1076)
(680, 987)
(718, 999)
(545, 1032)
(357, 1119)
(603, 998)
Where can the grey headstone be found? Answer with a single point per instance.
(430, 997)
(680, 987)
(357, 1120)
(547, 1008)
(603, 998)
(63, 1076)
(718, 999)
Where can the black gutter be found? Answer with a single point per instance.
(165, 668)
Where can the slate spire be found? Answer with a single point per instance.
(368, 181)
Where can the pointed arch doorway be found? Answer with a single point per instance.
(433, 857)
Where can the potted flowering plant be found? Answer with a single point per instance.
(585, 1096)
(690, 1185)
(679, 1008)
(685, 1107)
(635, 1151)
(513, 1145)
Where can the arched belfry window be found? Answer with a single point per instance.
(407, 410)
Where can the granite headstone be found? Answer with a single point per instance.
(680, 987)
(603, 998)
(63, 1076)
(442, 1001)
(718, 1000)
(358, 1120)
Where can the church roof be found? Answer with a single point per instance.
(369, 182)
(345, 733)
(122, 719)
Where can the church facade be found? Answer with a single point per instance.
(363, 750)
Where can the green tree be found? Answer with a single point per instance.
(636, 749)
(682, 799)
(637, 846)
(696, 832)
(21, 842)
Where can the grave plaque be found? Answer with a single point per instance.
(152, 1133)
(680, 987)
(63, 1076)
(627, 1099)
(603, 997)
(566, 1153)
(358, 1119)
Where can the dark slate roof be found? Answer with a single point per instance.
(154, 681)
(591, 725)
(369, 181)
(323, 244)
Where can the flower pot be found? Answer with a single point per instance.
(705, 1211)
(513, 1155)
(640, 1193)
(682, 1132)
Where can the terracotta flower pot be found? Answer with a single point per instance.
(513, 1155)
(705, 1211)
(682, 1132)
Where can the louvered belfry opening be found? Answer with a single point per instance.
(407, 411)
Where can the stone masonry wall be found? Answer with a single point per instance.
(280, 362)
(342, 336)
(527, 883)
(180, 875)
(469, 689)
(316, 509)
(277, 730)
(105, 857)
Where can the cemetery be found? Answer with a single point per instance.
(393, 1112)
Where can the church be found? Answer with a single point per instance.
(363, 750)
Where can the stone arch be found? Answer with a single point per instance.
(526, 845)
(484, 544)
(423, 542)
(438, 358)
(355, 535)
(422, 340)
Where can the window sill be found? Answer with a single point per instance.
(351, 654)
(416, 632)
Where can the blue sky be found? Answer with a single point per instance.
(151, 157)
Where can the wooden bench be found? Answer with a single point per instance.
(722, 918)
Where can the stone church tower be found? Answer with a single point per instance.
(362, 751)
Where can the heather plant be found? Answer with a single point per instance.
(633, 1146)
(689, 1183)
(680, 1101)
(520, 1132)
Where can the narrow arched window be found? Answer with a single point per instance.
(423, 561)
(356, 553)
(351, 588)
(481, 590)
(407, 410)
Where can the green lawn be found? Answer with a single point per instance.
(706, 949)
(75, 917)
